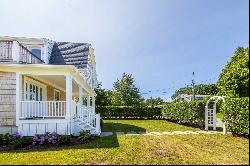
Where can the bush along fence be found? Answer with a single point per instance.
(190, 113)
(129, 112)
(236, 115)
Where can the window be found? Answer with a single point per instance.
(37, 52)
(56, 95)
(34, 91)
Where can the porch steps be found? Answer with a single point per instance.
(82, 125)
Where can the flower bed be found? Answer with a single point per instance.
(47, 140)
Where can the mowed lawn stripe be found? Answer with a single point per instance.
(144, 126)
(122, 149)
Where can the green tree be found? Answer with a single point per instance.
(234, 78)
(125, 92)
(201, 89)
(103, 97)
(154, 101)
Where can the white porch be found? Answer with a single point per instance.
(37, 114)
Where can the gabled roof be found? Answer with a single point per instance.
(66, 53)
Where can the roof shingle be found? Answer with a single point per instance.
(66, 53)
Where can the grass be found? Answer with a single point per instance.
(143, 126)
(122, 149)
(219, 115)
(140, 149)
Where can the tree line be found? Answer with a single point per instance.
(233, 81)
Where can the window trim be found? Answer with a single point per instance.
(59, 92)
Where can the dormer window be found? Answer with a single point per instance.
(36, 51)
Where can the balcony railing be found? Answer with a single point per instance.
(6, 50)
(16, 52)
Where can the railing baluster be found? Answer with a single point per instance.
(61, 109)
(29, 110)
(53, 113)
(49, 109)
(42, 109)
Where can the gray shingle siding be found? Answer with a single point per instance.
(66, 53)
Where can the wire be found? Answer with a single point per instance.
(172, 89)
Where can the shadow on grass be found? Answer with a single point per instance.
(220, 129)
(101, 142)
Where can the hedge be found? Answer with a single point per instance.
(236, 115)
(128, 112)
(190, 113)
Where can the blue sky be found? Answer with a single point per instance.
(160, 42)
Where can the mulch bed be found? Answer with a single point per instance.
(74, 142)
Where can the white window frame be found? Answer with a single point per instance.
(58, 91)
(36, 83)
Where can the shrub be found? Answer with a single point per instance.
(101, 123)
(84, 135)
(236, 115)
(190, 113)
(47, 138)
(51, 138)
(21, 142)
(5, 139)
(126, 112)
(63, 140)
(15, 140)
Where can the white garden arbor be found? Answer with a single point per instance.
(210, 113)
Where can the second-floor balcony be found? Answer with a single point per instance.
(15, 52)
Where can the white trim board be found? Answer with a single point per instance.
(43, 69)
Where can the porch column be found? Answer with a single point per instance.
(88, 103)
(93, 104)
(68, 96)
(18, 96)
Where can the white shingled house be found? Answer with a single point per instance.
(188, 98)
(43, 84)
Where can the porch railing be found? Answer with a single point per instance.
(42, 109)
(85, 114)
(14, 51)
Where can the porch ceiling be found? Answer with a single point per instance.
(57, 81)
(51, 71)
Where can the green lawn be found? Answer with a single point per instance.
(143, 126)
(219, 115)
(122, 149)
(141, 149)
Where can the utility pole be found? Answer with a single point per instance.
(193, 83)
